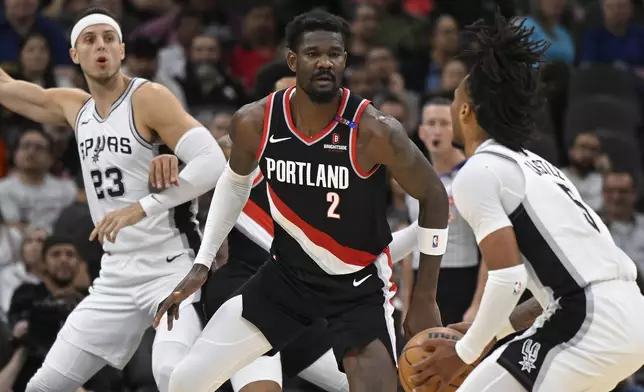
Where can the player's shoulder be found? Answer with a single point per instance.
(153, 91)
(484, 168)
(378, 124)
(251, 115)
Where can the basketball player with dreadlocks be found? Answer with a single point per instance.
(533, 229)
(325, 154)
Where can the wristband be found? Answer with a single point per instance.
(432, 242)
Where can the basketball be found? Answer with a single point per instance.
(413, 353)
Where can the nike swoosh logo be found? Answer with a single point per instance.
(170, 259)
(85, 122)
(273, 140)
(357, 283)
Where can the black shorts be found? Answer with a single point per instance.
(282, 302)
(299, 354)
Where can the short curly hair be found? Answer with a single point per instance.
(316, 20)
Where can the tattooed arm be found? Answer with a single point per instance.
(383, 140)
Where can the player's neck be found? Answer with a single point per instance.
(444, 162)
(31, 178)
(311, 117)
(105, 94)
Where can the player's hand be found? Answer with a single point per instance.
(188, 286)
(114, 221)
(421, 316)
(164, 171)
(444, 364)
(461, 327)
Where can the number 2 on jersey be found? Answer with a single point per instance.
(334, 199)
(581, 206)
(115, 175)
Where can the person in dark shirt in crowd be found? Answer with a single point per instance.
(45, 306)
(617, 40)
(75, 223)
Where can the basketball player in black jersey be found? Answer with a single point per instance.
(325, 154)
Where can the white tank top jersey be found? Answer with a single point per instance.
(115, 160)
(564, 243)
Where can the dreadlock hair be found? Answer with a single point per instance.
(503, 80)
(316, 20)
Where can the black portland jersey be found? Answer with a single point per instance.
(330, 214)
(256, 214)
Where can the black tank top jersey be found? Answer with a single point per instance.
(329, 213)
(240, 247)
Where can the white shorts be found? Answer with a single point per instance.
(591, 342)
(123, 300)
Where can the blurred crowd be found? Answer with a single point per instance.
(216, 55)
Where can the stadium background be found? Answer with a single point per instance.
(216, 55)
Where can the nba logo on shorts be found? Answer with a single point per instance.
(435, 242)
(335, 138)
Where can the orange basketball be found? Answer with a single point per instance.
(413, 353)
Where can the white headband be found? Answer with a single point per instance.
(91, 20)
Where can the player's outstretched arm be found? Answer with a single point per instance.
(56, 106)
(230, 196)
(386, 142)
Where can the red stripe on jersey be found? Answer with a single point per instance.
(258, 178)
(259, 216)
(267, 121)
(322, 133)
(354, 142)
(321, 239)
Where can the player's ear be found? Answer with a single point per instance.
(74, 55)
(465, 112)
(291, 60)
(122, 46)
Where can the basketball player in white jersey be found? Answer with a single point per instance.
(265, 373)
(533, 230)
(117, 128)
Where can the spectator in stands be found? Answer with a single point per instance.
(444, 38)
(207, 84)
(546, 19)
(361, 82)
(220, 125)
(392, 105)
(625, 225)
(142, 62)
(617, 40)
(30, 195)
(10, 239)
(586, 165)
(20, 18)
(398, 30)
(45, 306)
(116, 7)
(258, 43)
(187, 24)
(365, 24)
(383, 70)
(453, 73)
(75, 222)
(27, 268)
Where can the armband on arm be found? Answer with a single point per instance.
(432, 242)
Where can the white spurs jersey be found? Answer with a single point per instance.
(115, 160)
(565, 244)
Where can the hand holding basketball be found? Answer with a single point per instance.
(429, 362)
(443, 364)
